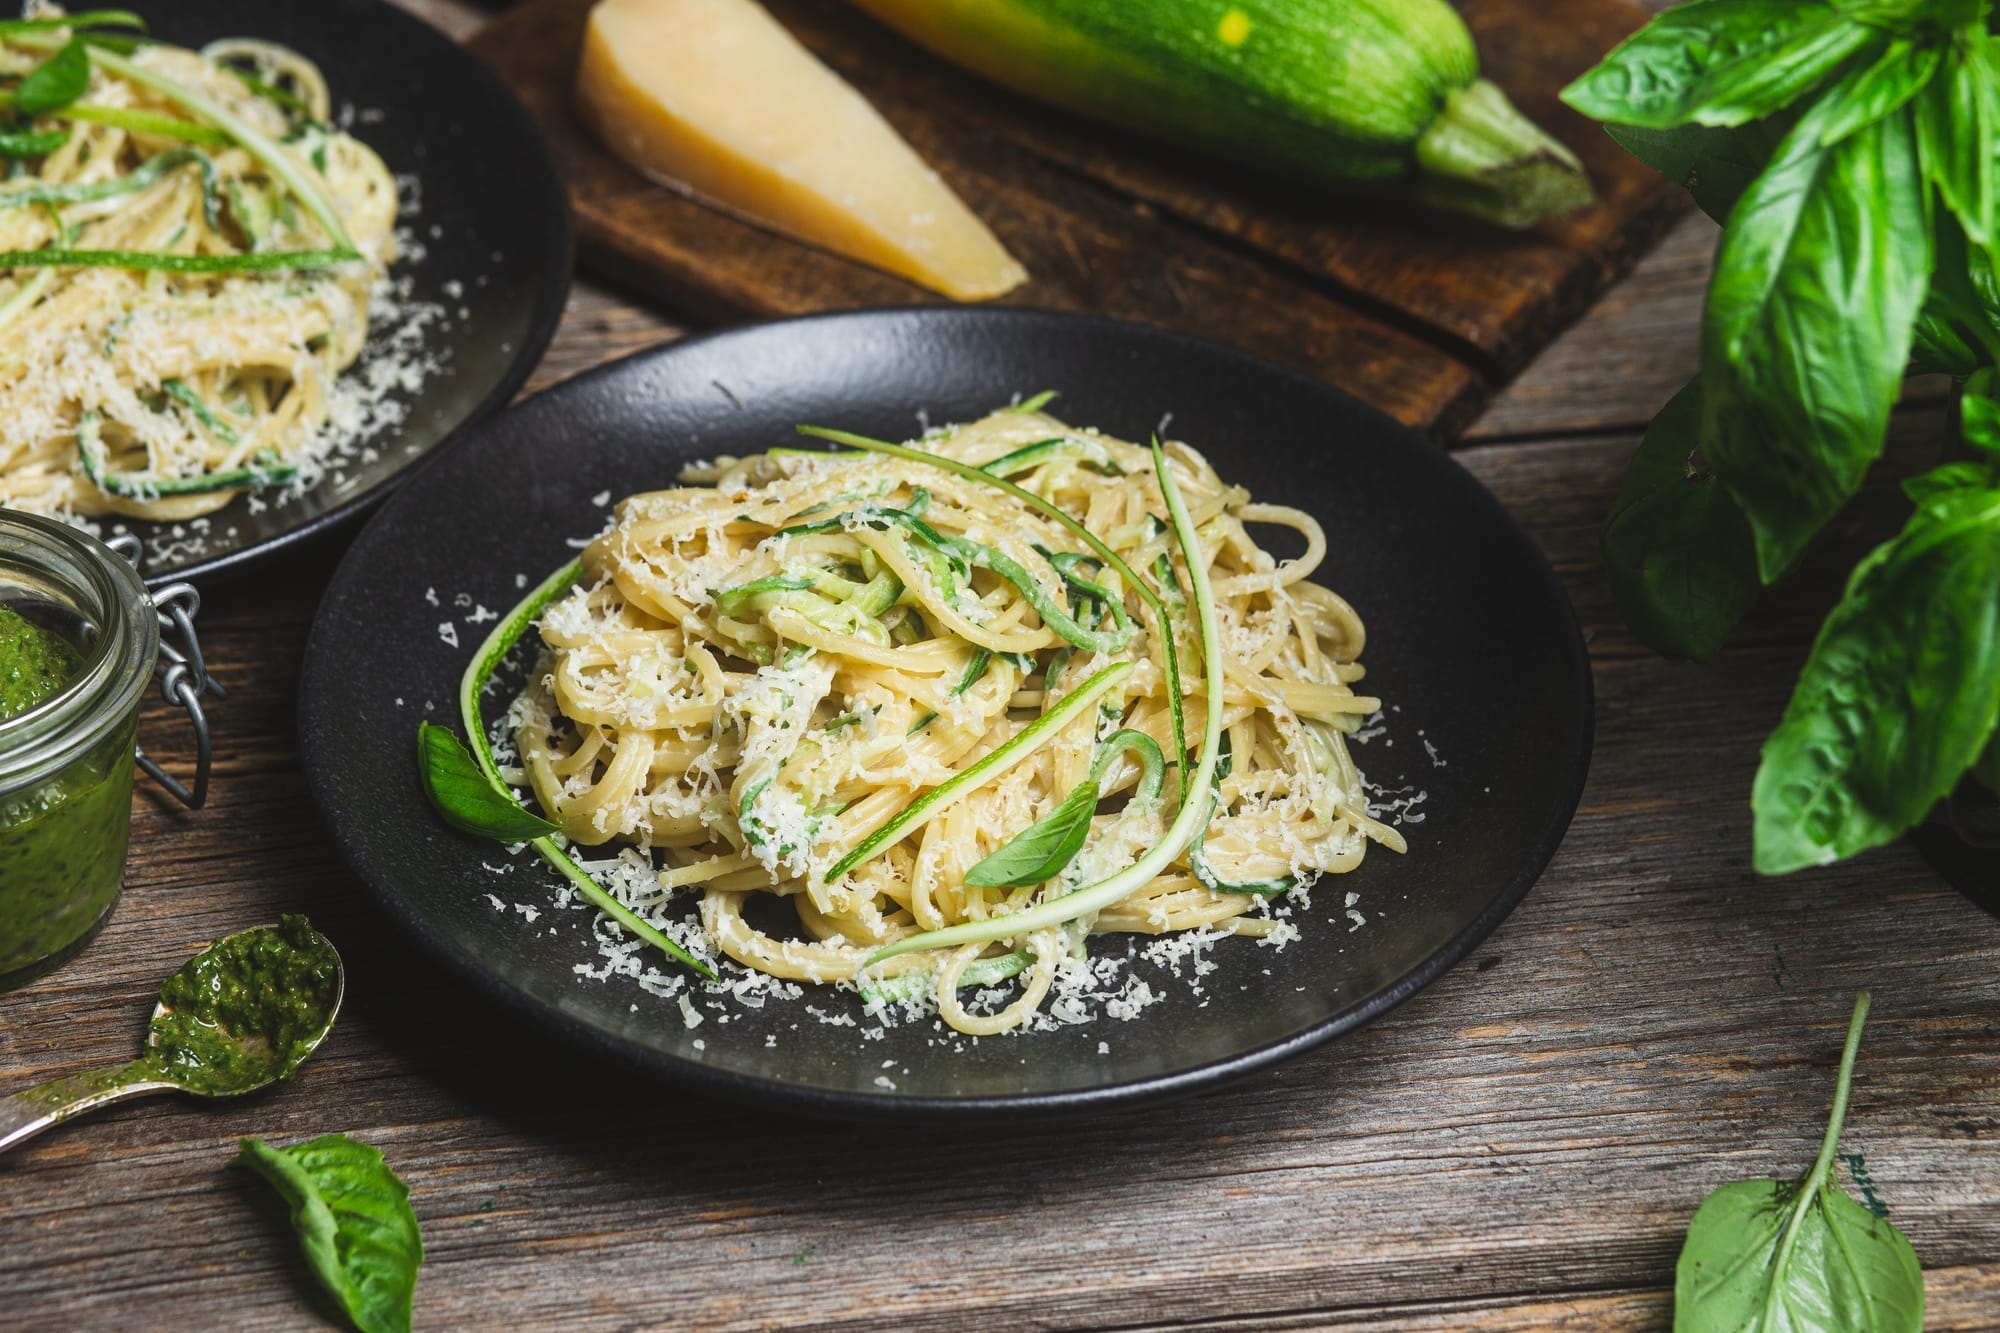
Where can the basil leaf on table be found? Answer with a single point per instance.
(1899, 695)
(1808, 325)
(465, 797)
(1719, 62)
(1682, 563)
(56, 82)
(354, 1221)
(1768, 1256)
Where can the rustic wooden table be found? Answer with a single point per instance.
(1519, 1146)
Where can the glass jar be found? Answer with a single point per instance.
(66, 764)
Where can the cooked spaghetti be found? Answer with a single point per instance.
(875, 688)
(190, 250)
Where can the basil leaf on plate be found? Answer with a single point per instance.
(1682, 564)
(354, 1221)
(1719, 62)
(1900, 692)
(465, 796)
(1766, 1256)
(56, 82)
(29, 144)
(1808, 325)
(1039, 852)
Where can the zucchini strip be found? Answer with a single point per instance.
(909, 985)
(151, 123)
(154, 261)
(506, 633)
(1193, 810)
(130, 486)
(1041, 506)
(273, 157)
(997, 761)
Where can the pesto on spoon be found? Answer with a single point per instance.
(240, 1015)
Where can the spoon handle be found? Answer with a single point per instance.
(32, 1110)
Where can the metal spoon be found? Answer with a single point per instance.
(32, 1110)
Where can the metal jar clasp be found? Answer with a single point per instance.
(182, 672)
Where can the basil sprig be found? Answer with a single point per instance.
(1763, 1256)
(1851, 151)
(354, 1221)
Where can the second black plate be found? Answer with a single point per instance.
(490, 255)
(1469, 636)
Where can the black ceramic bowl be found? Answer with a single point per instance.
(1469, 638)
(487, 211)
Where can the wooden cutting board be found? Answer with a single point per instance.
(1422, 315)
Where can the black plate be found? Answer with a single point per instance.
(493, 221)
(1468, 635)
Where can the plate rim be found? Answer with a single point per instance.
(1012, 1107)
(550, 302)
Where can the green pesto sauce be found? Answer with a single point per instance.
(246, 1010)
(62, 838)
(62, 855)
(35, 663)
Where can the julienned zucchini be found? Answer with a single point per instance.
(1346, 93)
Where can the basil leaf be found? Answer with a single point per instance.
(354, 1221)
(1899, 694)
(1714, 164)
(465, 796)
(1957, 118)
(1808, 325)
(1899, 73)
(1039, 852)
(1979, 420)
(1762, 1256)
(1959, 328)
(1718, 62)
(1679, 553)
(56, 82)
(1945, 480)
(1938, 346)
(29, 144)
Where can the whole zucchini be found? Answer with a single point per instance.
(1342, 93)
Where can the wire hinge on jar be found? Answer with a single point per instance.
(182, 672)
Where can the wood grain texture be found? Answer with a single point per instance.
(1517, 1148)
(1418, 315)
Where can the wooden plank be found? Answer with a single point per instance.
(1412, 314)
(1492, 294)
(1529, 1134)
(1089, 252)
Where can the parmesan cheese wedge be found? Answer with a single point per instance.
(714, 97)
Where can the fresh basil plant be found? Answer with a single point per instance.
(1851, 149)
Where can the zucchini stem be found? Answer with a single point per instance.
(1482, 157)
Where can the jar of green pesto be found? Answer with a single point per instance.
(80, 638)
